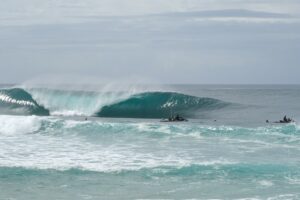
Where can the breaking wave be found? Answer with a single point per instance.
(159, 104)
(103, 104)
(18, 101)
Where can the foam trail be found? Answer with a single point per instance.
(71, 144)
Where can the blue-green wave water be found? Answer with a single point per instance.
(159, 105)
(107, 104)
(18, 101)
(223, 152)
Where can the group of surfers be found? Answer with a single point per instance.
(178, 118)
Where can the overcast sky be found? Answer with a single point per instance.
(165, 41)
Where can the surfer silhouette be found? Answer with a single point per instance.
(176, 118)
(284, 120)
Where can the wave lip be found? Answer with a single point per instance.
(18, 101)
(159, 105)
(103, 104)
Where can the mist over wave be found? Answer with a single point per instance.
(126, 104)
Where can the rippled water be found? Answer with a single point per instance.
(224, 153)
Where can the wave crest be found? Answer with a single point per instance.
(159, 105)
(18, 101)
(103, 104)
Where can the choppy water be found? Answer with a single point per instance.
(123, 151)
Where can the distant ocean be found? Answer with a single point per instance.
(109, 143)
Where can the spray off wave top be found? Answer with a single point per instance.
(103, 104)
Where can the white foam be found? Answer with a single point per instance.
(73, 123)
(284, 197)
(66, 151)
(18, 124)
(171, 130)
(68, 113)
(293, 181)
(67, 143)
(266, 183)
(169, 104)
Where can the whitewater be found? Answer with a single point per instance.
(110, 144)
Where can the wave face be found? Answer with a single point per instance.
(159, 105)
(18, 101)
(41, 101)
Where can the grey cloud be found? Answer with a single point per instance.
(169, 46)
(15, 12)
(228, 13)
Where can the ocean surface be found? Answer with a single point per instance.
(109, 142)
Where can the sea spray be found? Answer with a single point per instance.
(127, 104)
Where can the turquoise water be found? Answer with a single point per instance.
(225, 150)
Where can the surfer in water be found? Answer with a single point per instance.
(177, 118)
(285, 120)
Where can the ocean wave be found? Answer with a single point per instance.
(111, 147)
(159, 105)
(73, 102)
(219, 169)
(39, 101)
(97, 126)
(18, 101)
(203, 183)
(12, 125)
